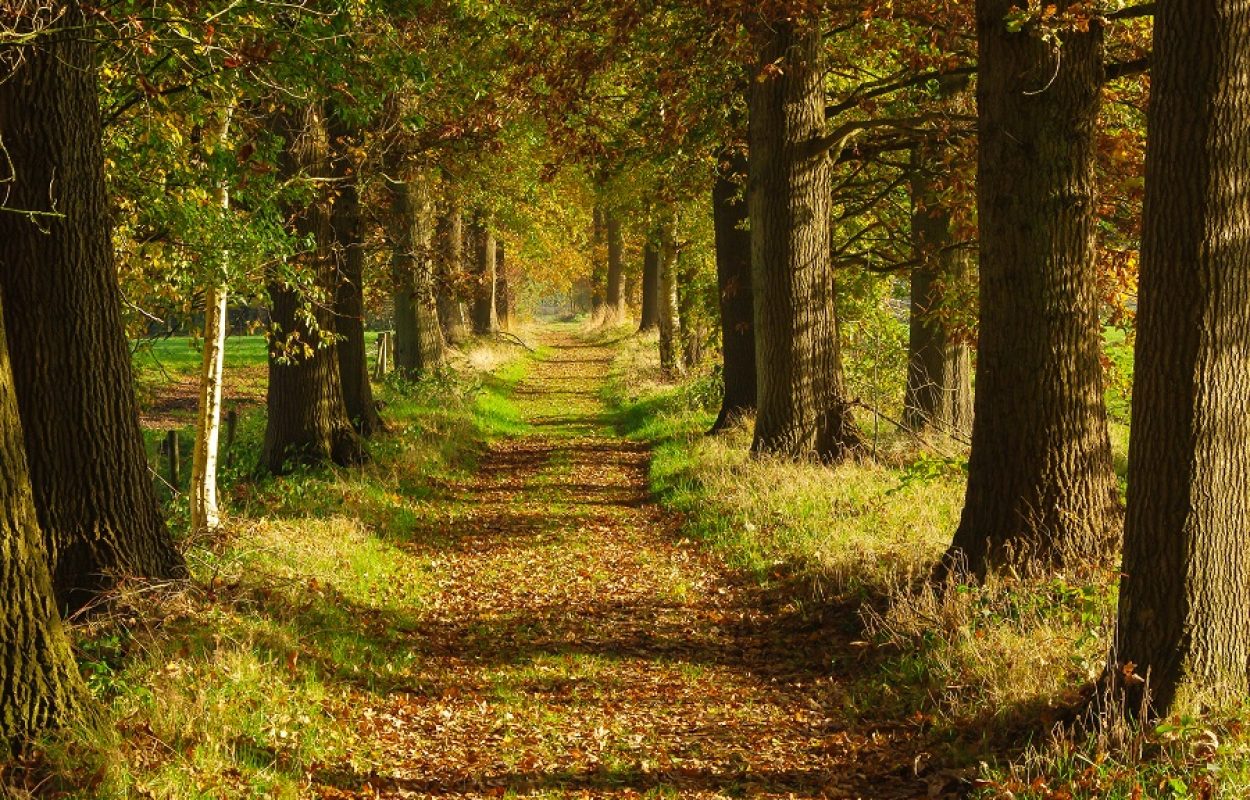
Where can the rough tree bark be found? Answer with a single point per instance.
(938, 395)
(71, 362)
(419, 343)
(1183, 616)
(733, 282)
(39, 683)
(1041, 488)
(669, 313)
(307, 418)
(349, 301)
(205, 514)
(650, 287)
(485, 314)
(614, 310)
(450, 272)
(803, 410)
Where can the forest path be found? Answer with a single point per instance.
(578, 646)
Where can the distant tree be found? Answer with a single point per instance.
(307, 417)
(450, 271)
(1184, 621)
(669, 317)
(614, 309)
(733, 279)
(485, 312)
(419, 342)
(503, 292)
(650, 287)
(939, 363)
(349, 301)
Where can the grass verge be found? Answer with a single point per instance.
(989, 675)
(245, 682)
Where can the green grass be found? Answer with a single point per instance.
(181, 355)
(243, 683)
(987, 669)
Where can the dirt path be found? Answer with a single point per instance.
(578, 646)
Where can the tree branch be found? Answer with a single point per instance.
(1133, 12)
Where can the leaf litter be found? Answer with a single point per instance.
(579, 646)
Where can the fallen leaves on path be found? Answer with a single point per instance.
(578, 646)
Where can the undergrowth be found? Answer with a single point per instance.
(243, 681)
(996, 675)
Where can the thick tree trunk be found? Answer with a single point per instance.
(71, 362)
(349, 301)
(733, 282)
(614, 310)
(451, 273)
(205, 514)
(1040, 481)
(938, 395)
(307, 418)
(419, 343)
(650, 287)
(669, 312)
(1183, 617)
(39, 683)
(485, 314)
(803, 410)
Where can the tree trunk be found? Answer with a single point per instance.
(1040, 482)
(938, 396)
(70, 359)
(485, 314)
(693, 332)
(614, 310)
(205, 515)
(803, 410)
(650, 287)
(419, 343)
(669, 312)
(451, 273)
(598, 268)
(39, 683)
(349, 301)
(503, 302)
(1183, 616)
(733, 283)
(307, 418)
(633, 289)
